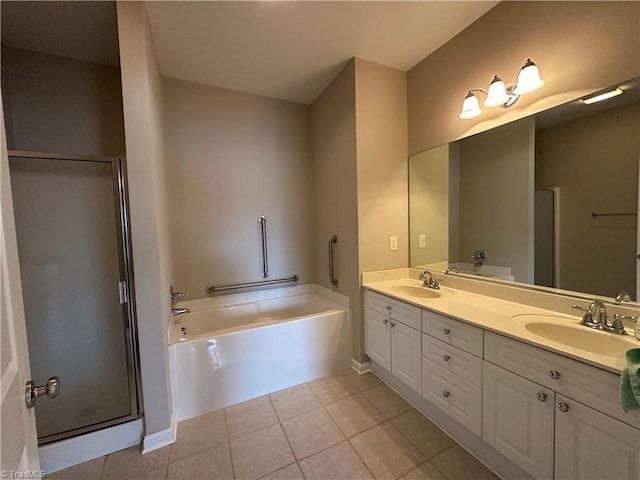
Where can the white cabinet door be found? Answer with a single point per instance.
(591, 445)
(518, 420)
(406, 345)
(377, 341)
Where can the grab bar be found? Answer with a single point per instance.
(597, 214)
(265, 264)
(332, 241)
(213, 288)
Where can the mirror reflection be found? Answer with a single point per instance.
(549, 200)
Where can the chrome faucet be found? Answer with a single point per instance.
(452, 269)
(622, 297)
(595, 316)
(179, 311)
(429, 281)
(175, 296)
(479, 256)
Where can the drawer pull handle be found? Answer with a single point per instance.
(385, 321)
(541, 396)
(388, 307)
(445, 394)
(446, 358)
(563, 407)
(393, 324)
(554, 374)
(446, 331)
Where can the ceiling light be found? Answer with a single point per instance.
(499, 95)
(602, 96)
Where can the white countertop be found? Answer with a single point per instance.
(498, 316)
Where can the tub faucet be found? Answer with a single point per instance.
(429, 281)
(622, 297)
(175, 296)
(179, 311)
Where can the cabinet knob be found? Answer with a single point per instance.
(385, 321)
(393, 324)
(445, 394)
(446, 331)
(563, 407)
(554, 374)
(388, 307)
(446, 358)
(541, 396)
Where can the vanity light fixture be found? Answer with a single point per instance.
(602, 96)
(499, 95)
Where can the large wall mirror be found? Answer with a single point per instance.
(549, 200)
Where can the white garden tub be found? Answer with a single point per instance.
(221, 355)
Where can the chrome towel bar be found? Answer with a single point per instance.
(213, 288)
(597, 214)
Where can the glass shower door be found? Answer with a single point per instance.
(70, 228)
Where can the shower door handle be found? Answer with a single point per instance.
(51, 390)
(263, 231)
(332, 277)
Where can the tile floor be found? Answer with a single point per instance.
(345, 427)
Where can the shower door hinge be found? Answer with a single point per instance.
(122, 289)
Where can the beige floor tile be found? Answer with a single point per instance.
(294, 401)
(311, 432)
(354, 414)
(260, 453)
(251, 416)
(355, 383)
(130, 463)
(426, 471)
(386, 452)
(211, 464)
(290, 472)
(199, 433)
(387, 401)
(84, 471)
(424, 435)
(339, 462)
(457, 464)
(328, 390)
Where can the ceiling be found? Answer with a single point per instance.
(290, 50)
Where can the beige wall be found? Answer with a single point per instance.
(59, 105)
(578, 46)
(381, 144)
(142, 90)
(333, 130)
(232, 157)
(594, 163)
(429, 205)
(496, 198)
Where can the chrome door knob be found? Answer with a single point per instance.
(51, 389)
(388, 307)
(393, 324)
(541, 396)
(446, 358)
(563, 407)
(446, 331)
(445, 394)
(554, 374)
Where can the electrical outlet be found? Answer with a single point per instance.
(393, 243)
(422, 241)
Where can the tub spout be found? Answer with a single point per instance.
(179, 311)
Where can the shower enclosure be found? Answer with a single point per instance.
(74, 251)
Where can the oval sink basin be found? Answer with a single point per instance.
(422, 292)
(581, 337)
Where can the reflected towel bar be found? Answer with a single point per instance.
(596, 214)
(213, 288)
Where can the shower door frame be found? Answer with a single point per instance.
(123, 233)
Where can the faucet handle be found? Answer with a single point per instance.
(175, 296)
(587, 318)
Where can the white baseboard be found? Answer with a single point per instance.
(360, 368)
(162, 438)
(67, 453)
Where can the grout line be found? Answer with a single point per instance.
(226, 424)
(361, 459)
(104, 462)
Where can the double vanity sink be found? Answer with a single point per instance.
(550, 330)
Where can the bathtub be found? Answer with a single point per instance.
(227, 353)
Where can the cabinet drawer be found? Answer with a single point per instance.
(461, 399)
(583, 383)
(452, 359)
(454, 332)
(400, 311)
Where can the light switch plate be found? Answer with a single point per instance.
(422, 241)
(393, 243)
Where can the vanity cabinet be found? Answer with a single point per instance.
(529, 416)
(451, 369)
(392, 337)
